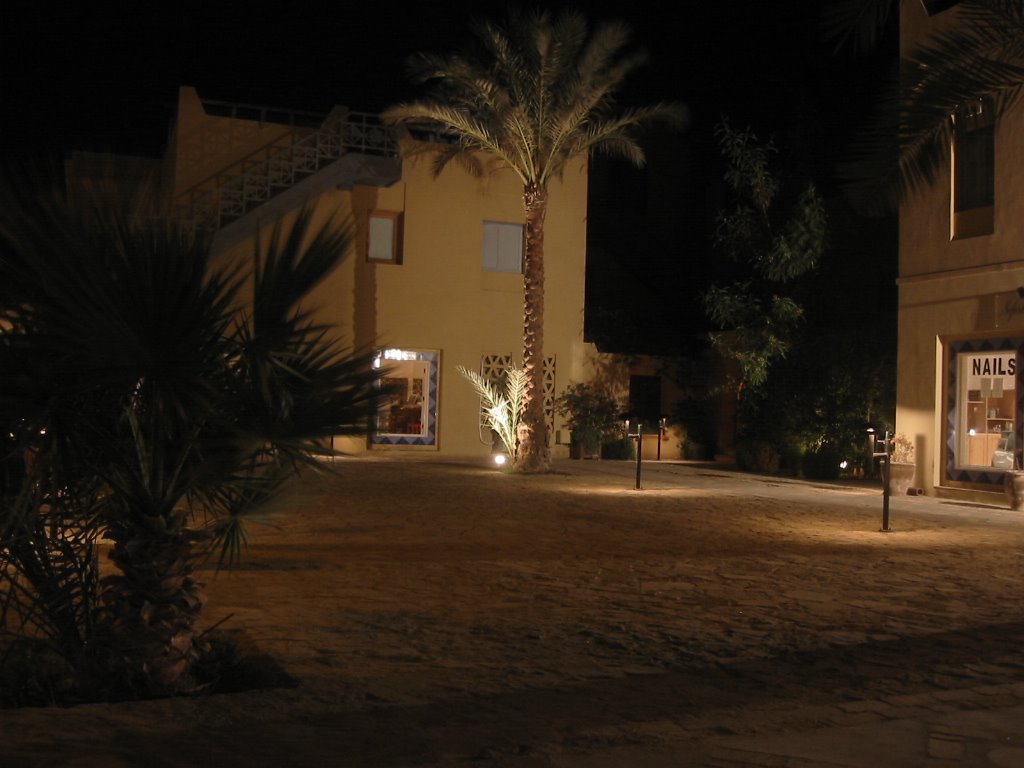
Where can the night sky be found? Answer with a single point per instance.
(105, 76)
(84, 74)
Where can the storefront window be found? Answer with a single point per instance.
(986, 410)
(407, 413)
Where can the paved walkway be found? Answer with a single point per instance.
(975, 725)
(448, 617)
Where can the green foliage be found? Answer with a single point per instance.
(536, 91)
(590, 411)
(621, 449)
(774, 245)
(143, 401)
(501, 412)
(693, 416)
(822, 463)
(758, 456)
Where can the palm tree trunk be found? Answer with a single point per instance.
(533, 454)
(153, 606)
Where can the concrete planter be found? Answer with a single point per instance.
(1013, 484)
(902, 479)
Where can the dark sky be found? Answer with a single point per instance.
(98, 73)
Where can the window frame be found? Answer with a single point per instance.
(973, 168)
(484, 264)
(385, 361)
(955, 471)
(394, 220)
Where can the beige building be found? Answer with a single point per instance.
(961, 299)
(435, 279)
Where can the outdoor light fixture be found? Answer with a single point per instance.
(639, 437)
(500, 459)
(875, 429)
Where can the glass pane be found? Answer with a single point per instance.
(986, 409)
(503, 247)
(382, 239)
(407, 411)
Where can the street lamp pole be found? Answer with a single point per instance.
(886, 464)
(639, 437)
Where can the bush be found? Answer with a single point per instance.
(757, 456)
(822, 463)
(694, 451)
(618, 449)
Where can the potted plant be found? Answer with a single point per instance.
(901, 465)
(590, 413)
(1013, 481)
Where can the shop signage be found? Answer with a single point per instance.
(1003, 365)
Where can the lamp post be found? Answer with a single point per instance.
(886, 456)
(639, 437)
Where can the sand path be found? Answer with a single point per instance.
(447, 614)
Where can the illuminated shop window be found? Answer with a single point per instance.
(987, 411)
(503, 247)
(407, 413)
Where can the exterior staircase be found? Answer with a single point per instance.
(348, 148)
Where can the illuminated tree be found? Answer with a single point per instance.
(536, 92)
(772, 245)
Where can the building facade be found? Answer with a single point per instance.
(961, 298)
(434, 280)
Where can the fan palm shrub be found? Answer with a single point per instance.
(156, 399)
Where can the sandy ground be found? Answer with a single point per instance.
(448, 614)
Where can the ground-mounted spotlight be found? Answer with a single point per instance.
(500, 459)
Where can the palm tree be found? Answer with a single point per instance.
(147, 400)
(981, 57)
(537, 92)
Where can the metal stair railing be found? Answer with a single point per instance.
(280, 164)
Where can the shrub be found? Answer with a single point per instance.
(757, 456)
(590, 412)
(822, 463)
(902, 449)
(621, 449)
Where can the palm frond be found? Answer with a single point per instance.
(538, 92)
(857, 23)
(906, 144)
(501, 411)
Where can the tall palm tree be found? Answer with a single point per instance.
(145, 398)
(980, 57)
(536, 92)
